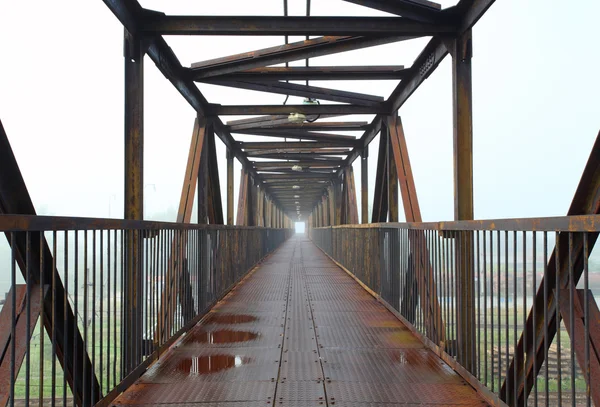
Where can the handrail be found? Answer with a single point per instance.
(32, 223)
(580, 223)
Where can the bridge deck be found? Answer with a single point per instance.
(300, 332)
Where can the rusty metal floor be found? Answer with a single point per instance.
(300, 332)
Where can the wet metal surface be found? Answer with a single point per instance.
(300, 332)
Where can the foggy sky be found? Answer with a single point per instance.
(535, 86)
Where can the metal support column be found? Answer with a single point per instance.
(364, 182)
(460, 50)
(134, 198)
(229, 187)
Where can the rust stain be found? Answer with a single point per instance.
(222, 336)
(217, 318)
(201, 365)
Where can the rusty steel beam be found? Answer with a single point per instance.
(275, 119)
(286, 53)
(418, 10)
(134, 127)
(134, 197)
(392, 182)
(242, 110)
(15, 200)
(293, 89)
(188, 191)
(460, 49)
(324, 156)
(308, 127)
(380, 196)
(161, 24)
(229, 187)
(425, 279)
(352, 208)
(586, 201)
(299, 156)
(215, 203)
(364, 181)
(300, 135)
(315, 73)
(295, 176)
(248, 145)
(242, 211)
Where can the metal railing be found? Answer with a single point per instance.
(483, 295)
(112, 295)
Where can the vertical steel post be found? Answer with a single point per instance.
(364, 182)
(134, 195)
(461, 52)
(392, 183)
(229, 187)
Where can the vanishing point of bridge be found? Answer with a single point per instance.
(359, 311)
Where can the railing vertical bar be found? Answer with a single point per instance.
(547, 361)
(42, 321)
(54, 301)
(572, 318)
(13, 330)
(515, 299)
(558, 319)
(116, 357)
(485, 330)
(506, 301)
(492, 358)
(101, 316)
(499, 305)
(65, 313)
(28, 282)
(586, 318)
(75, 304)
(524, 312)
(534, 316)
(94, 282)
(108, 315)
(478, 365)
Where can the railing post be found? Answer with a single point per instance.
(134, 197)
(229, 187)
(364, 182)
(460, 50)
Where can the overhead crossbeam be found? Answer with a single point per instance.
(317, 126)
(286, 53)
(315, 73)
(418, 10)
(241, 110)
(293, 89)
(293, 145)
(161, 24)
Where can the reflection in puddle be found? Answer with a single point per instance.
(221, 336)
(230, 319)
(199, 365)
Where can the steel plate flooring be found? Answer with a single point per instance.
(299, 332)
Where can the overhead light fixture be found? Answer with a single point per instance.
(296, 168)
(297, 203)
(296, 196)
(296, 187)
(296, 117)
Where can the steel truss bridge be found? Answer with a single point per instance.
(241, 312)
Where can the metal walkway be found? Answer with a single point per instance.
(300, 332)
